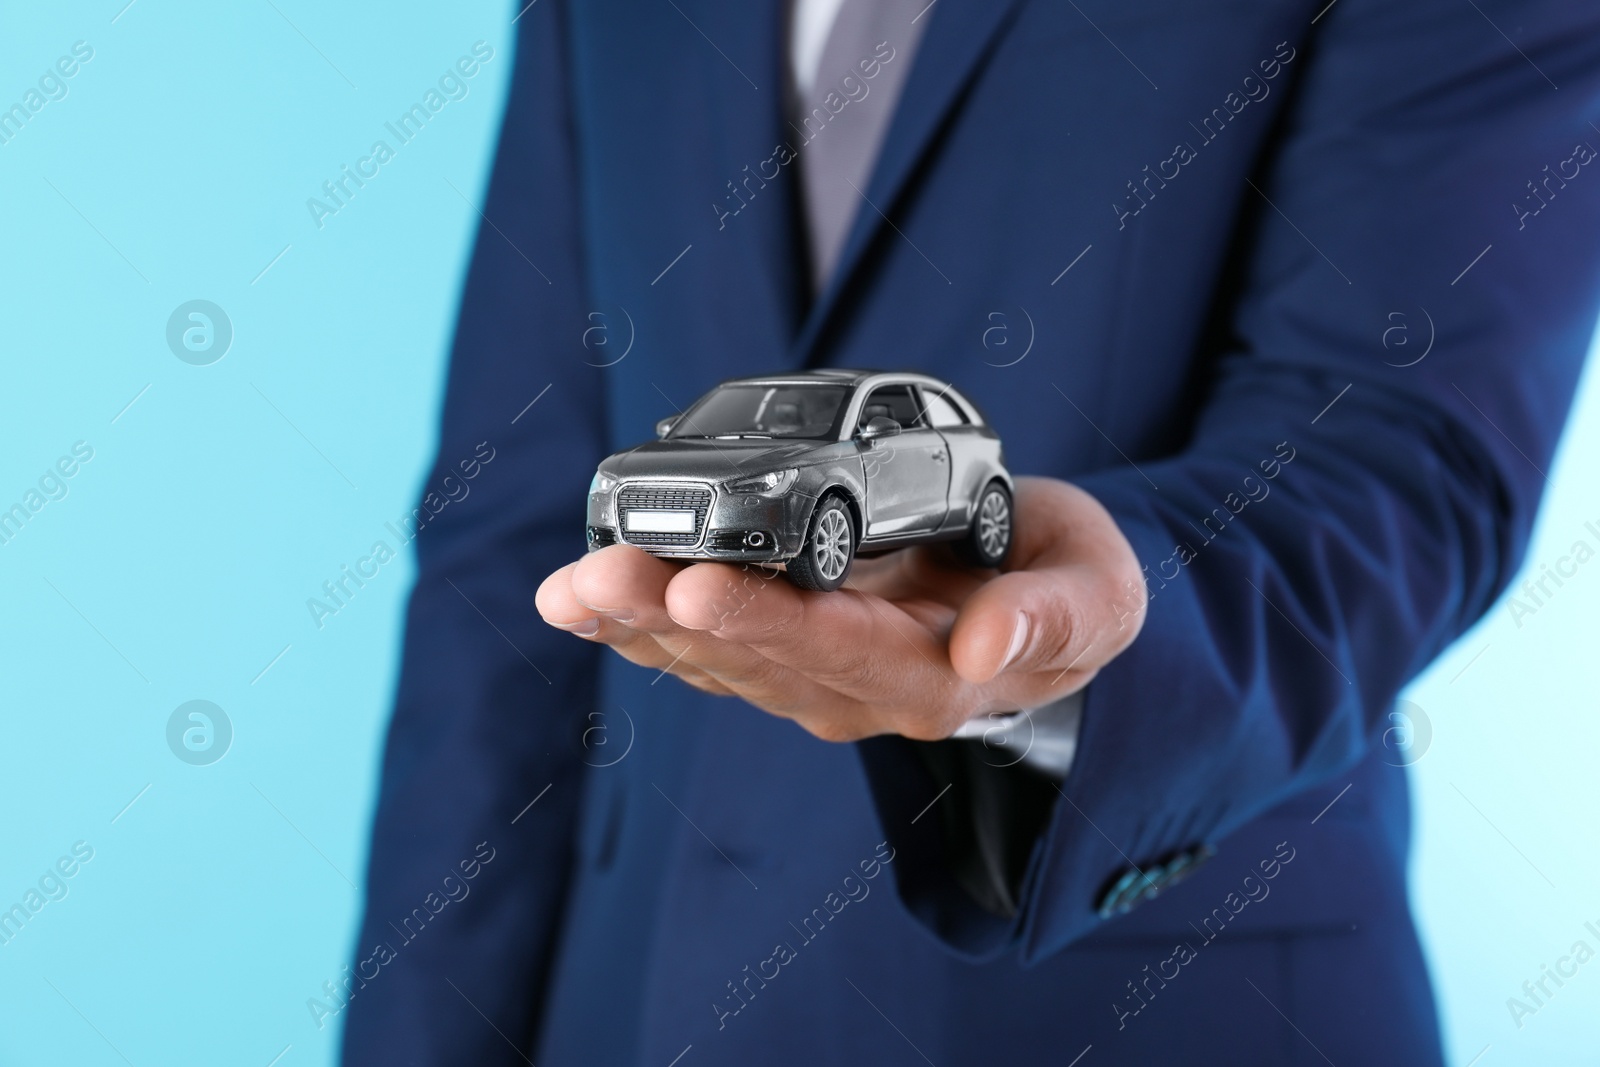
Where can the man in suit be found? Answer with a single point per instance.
(1167, 247)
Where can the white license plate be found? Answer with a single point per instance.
(650, 521)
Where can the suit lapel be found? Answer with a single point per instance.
(952, 52)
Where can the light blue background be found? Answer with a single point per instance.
(179, 564)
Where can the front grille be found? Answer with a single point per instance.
(644, 495)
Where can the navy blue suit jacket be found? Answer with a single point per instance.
(1300, 298)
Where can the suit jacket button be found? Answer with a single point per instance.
(1133, 887)
(1187, 862)
(1129, 888)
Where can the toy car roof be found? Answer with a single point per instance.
(833, 375)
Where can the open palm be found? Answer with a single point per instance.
(914, 644)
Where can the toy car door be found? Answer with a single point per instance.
(907, 474)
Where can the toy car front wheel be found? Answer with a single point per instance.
(989, 538)
(830, 547)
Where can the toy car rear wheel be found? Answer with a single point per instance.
(989, 538)
(829, 548)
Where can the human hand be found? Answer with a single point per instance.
(914, 643)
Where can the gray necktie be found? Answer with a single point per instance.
(842, 124)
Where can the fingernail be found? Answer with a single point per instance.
(619, 614)
(1019, 638)
(587, 628)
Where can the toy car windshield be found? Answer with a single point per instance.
(807, 410)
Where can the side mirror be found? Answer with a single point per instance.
(878, 426)
(664, 427)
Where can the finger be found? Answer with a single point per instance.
(626, 584)
(629, 587)
(624, 589)
(1054, 620)
(1072, 597)
(856, 645)
(560, 607)
(1058, 523)
(559, 604)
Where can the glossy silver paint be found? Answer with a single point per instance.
(919, 485)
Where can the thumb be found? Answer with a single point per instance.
(1060, 618)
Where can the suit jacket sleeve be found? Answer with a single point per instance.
(491, 700)
(1271, 655)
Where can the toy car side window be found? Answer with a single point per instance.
(940, 412)
(896, 402)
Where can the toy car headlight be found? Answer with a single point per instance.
(603, 482)
(772, 484)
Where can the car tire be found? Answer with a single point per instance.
(829, 548)
(988, 540)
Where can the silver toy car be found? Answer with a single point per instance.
(807, 469)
